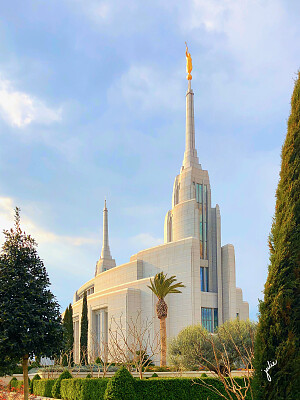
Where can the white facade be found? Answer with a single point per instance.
(192, 251)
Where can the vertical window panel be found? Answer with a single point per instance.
(202, 278)
(215, 319)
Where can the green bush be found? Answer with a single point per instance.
(120, 386)
(154, 375)
(13, 383)
(43, 387)
(56, 387)
(204, 375)
(83, 389)
(180, 388)
(146, 389)
(36, 377)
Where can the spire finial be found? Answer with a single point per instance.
(189, 65)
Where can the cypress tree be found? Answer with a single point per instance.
(278, 335)
(84, 331)
(68, 334)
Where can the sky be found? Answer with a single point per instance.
(92, 105)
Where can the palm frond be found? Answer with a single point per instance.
(161, 285)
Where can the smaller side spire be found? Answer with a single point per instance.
(106, 261)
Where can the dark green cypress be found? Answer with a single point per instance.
(84, 331)
(68, 335)
(278, 334)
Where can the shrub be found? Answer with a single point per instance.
(181, 388)
(56, 387)
(12, 383)
(43, 387)
(35, 378)
(204, 375)
(15, 384)
(83, 389)
(154, 375)
(88, 376)
(120, 386)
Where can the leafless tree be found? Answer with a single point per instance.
(134, 343)
(100, 350)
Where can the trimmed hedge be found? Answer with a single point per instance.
(146, 389)
(36, 377)
(121, 386)
(56, 387)
(43, 387)
(83, 388)
(180, 388)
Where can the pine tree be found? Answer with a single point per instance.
(30, 322)
(84, 331)
(68, 335)
(278, 336)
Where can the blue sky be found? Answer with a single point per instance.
(92, 104)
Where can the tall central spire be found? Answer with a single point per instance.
(106, 261)
(190, 154)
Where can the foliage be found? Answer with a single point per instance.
(236, 336)
(179, 388)
(56, 387)
(30, 317)
(161, 285)
(278, 336)
(68, 333)
(98, 360)
(158, 388)
(83, 389)
(183, 348)
(15, 384)
(43, 387)
(120, 386)
(12, 383)
(154, 375)
(35, 378)
(84, 330)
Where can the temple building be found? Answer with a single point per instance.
(192, 251)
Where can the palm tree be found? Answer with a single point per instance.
(161, 286)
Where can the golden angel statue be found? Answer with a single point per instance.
(189, 65)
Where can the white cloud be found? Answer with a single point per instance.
(145, 241)
(62, 252)
(21, 109)
(142, 88)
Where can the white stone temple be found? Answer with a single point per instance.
(192, 251)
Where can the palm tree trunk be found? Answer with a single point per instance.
(25, 376)
(163, 342)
